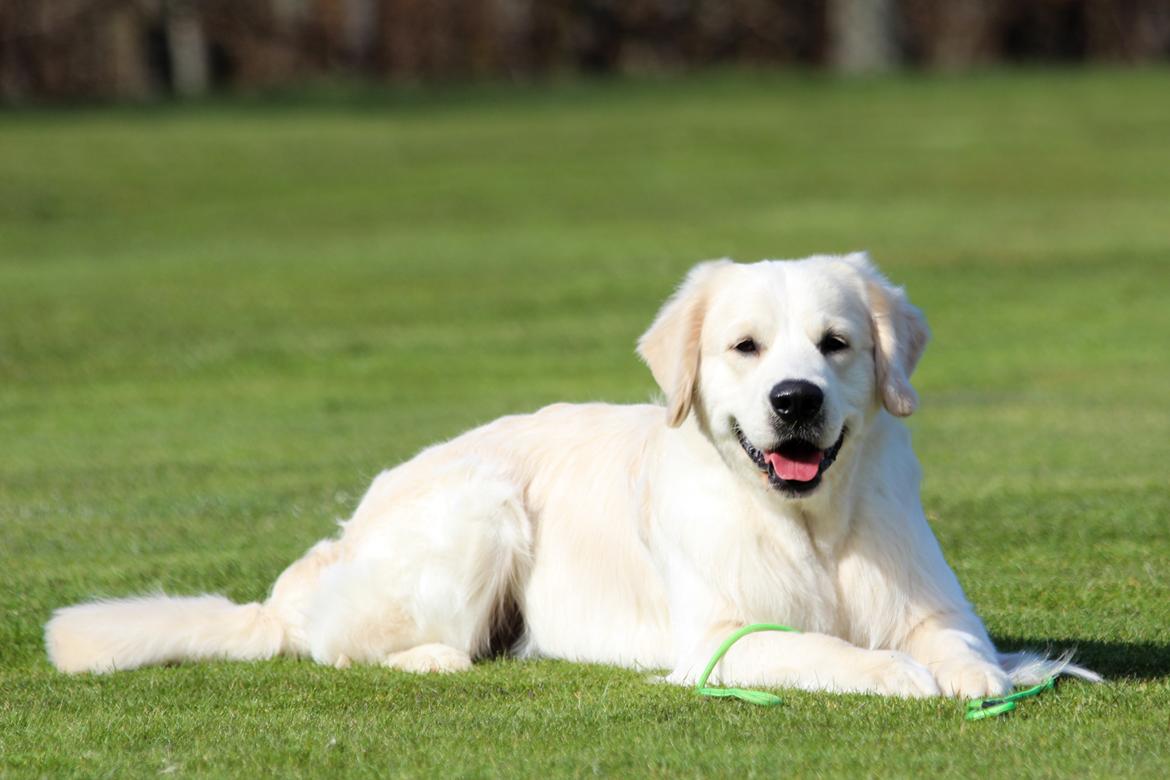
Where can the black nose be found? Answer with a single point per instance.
(796, 400)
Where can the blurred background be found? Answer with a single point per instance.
(102, 49)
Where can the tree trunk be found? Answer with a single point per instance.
(862, 35)
(187, 48)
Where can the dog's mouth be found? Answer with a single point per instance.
(796, 465)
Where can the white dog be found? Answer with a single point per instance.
(777, 485)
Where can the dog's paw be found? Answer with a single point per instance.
(897, 674)
(429, 659)
(971, 678)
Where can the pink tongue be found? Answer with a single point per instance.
(803, 470)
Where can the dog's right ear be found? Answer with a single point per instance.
(671, 346)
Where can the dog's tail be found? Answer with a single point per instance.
(105, 636)
(1030, 668)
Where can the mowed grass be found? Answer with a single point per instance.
(218, 323)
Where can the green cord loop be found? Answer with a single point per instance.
(977, 709)
(761, 698)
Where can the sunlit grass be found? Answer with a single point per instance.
(218, 323)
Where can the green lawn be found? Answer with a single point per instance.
(217, 323)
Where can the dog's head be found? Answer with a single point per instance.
(782, 362)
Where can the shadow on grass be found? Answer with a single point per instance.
(1112, 660)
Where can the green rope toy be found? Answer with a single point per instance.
(977, 709)
(755, 697)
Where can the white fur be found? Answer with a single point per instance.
(104, 636)
(636, 535)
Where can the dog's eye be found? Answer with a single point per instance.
(747, 346)
(831, 343)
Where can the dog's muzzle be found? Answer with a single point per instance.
(795, 467)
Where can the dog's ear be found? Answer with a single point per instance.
(671, 346)
(900, 334)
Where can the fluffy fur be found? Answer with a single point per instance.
(638, 535)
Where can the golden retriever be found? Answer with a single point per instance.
(776, 484)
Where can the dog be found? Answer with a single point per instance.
(775, 484)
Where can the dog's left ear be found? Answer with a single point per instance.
(671, 346)
(900, 334)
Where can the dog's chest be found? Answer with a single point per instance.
(785, 578)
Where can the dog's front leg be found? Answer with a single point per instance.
(956, 649)
(811, 662)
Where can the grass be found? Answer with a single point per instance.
(218, 322)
